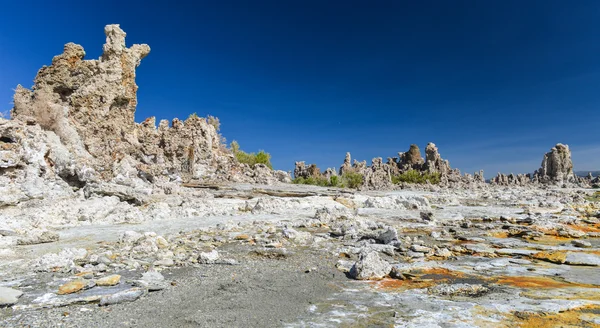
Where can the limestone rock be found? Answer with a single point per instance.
(71, 287)
(152, 280)
(129, 295)
(109, 280)
(370, 267)
(9, 296)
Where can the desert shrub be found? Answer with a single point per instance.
(316, 181)
(414, 176)
(261, 157)
(351, 180)
(334, 181)
(347, 180)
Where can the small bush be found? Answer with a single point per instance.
(316, 181)
(352, 180)
(413, 176)
(347, 180)
(334, 180)
(261, 157)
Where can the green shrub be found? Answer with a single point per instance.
(316, 181)
(413, 176)
(347, 180)
(352, 180)
(261, 157)
(334, 180)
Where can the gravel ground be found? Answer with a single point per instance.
(259, 292)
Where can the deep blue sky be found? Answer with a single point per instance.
(494, 84)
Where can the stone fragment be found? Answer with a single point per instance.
(152, 280)
(551, 256)
(370, 267)
(71, 287)
(387, 236)
(581, 258)
(9, 296)
(38, 238)
(581, 243)
(469, 290)
(208, 257)
(164, 262)
(60, 261)
(109, 280)
(129, 295)
(420, 248)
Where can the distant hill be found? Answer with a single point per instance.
(585, 173)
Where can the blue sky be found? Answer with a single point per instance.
(495, 84)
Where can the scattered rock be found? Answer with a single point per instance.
(152, 280)
(109, 280)
(580, 258)
(370, 267)
(458, 290)
(72, 287)
(209, 257)
(551, 256)
(9, 296)
(129, 295)
(38, 238)
(581, 243)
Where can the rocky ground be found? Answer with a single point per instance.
(298, 256)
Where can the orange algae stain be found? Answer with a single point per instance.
(551, 256)
(585, 227)
(499, 234)
(396, 284)
(550, 240)
(439, 273)
(423, 278)
(577, 317)
(591, 294)
(533, 282)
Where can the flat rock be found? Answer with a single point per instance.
(420, 248)
(9, 296)
(581, 243)
(109, 280)
(510, 251)
(41, 238)
(71, 287)
(580, 258)
(129, 295)
(152, 280)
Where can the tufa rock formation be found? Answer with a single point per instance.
(557, 166)
(76, 126)
(556, 169)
